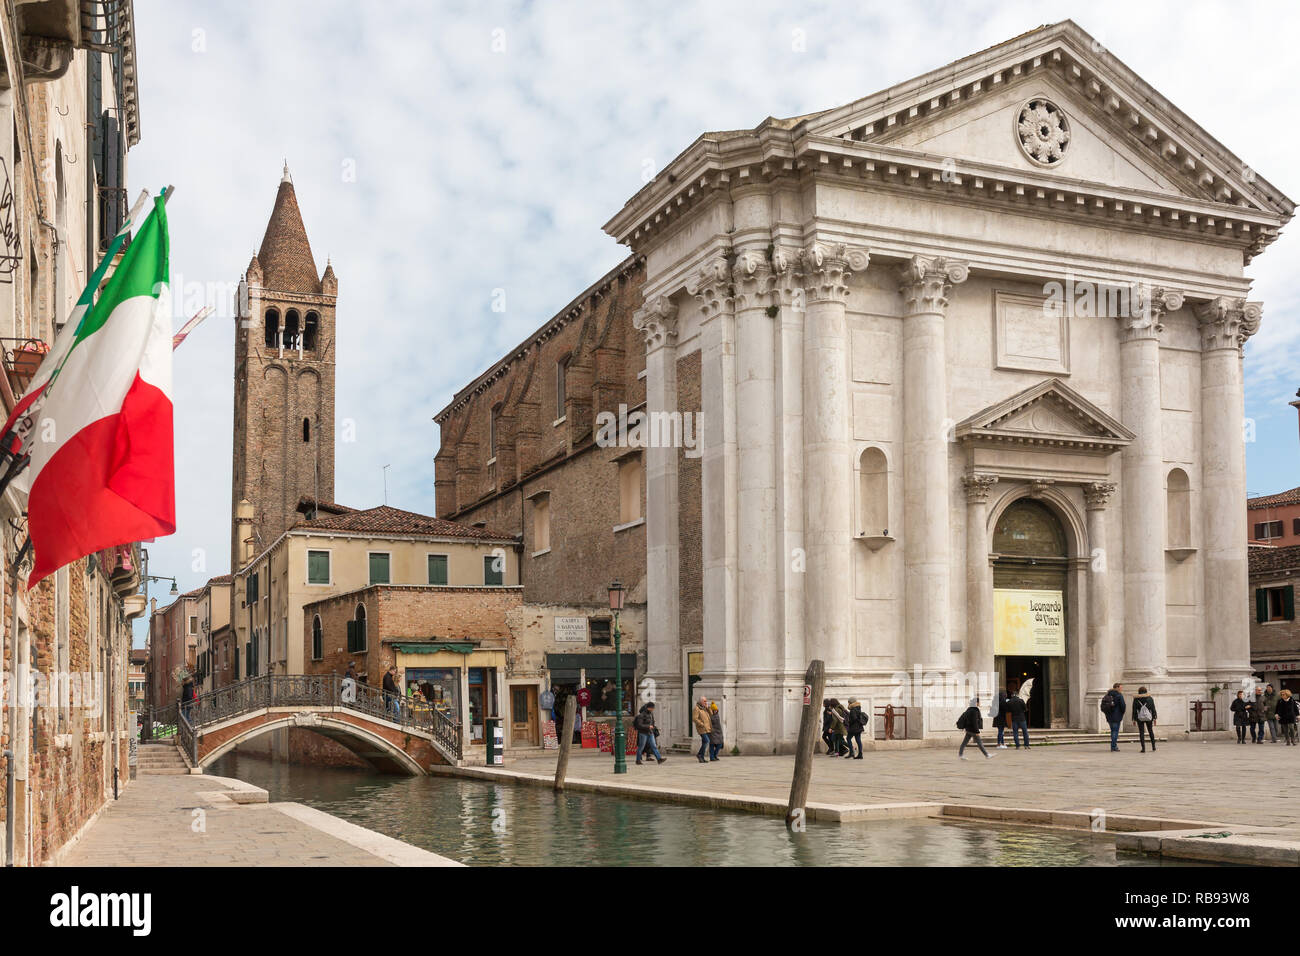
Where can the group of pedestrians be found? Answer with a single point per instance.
(1115, 707)
(708, 724)
(842, 728)
(1266, 709)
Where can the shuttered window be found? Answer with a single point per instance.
(437, 569)
(318, 567)
(1275, 604)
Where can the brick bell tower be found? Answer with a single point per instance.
(284, 382)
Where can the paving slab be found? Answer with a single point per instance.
(200, 820)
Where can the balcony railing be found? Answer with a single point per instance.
(22, 357)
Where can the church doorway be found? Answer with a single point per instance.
(1030, 567)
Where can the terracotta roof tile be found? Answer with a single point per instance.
(285, 254)
(386, 520)
(1291, 497)
(1274, 559)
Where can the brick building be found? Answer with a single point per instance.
(543, 445)
(1274, 519)
(68, 116)
(1274, 630)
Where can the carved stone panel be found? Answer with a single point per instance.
(1032, 333)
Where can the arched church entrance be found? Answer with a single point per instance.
(1030, 640)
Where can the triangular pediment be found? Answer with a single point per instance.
(1103, 124)
(1049, 413)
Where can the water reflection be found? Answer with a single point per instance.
(503, 824)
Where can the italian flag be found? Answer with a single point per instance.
(97, 418)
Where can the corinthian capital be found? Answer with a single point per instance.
(1226, 322)
(712, 286)
(1148, 307)
(925, 283)
(978, 486)
(1097, 493)
(826, 270)
(657, 321)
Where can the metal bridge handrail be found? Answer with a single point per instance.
(320, 690)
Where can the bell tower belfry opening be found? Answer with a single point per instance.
(284, 380)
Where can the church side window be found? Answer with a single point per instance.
(311, 323)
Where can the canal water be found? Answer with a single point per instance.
(486, 824)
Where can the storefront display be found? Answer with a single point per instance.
(438, 688)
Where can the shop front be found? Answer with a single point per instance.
(460, 679)
(568, 674)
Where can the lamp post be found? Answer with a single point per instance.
(616, 594)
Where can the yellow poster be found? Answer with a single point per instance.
(1028, 623)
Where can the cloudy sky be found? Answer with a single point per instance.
(441, 152)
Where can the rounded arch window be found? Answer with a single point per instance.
(272, 328)
(291, 329)
(310, 327)
(317, 639)
(1029, 528)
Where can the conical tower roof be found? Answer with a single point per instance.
(285, 254)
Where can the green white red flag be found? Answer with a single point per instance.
(97, 417)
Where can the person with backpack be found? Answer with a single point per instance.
(856, 723)
(646, 732)
(839, 732)
(1240, 715)
(972, 721)
(1144, 715)
(1113, 706)
(1288, 711)
(1018, 711)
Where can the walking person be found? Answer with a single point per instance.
(1288, 710)
(1256, 721)
(703, 722)
(826, 727)
(348, 689)
(971, 721)
(1018, 711)
(1144, 715)
(856, 723)
(1001, 717)
(646, 733)
(392, 695)
(839, 732)
(1240, 715)
(1270, 712)
(1113, 706)
(715, 731)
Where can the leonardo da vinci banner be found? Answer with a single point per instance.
(1028, 623)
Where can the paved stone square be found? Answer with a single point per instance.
(152, 824)
(1215, 781)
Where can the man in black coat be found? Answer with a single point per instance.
(1113, 706)
(1019, 712)
(971, 721)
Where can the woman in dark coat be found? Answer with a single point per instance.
(839, 733)
(856, 723)
(826, 727)
(1240, 715)
(1287, 712)
(715, 730)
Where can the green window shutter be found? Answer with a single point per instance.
(437, 569)
(1288, 602)
(352, 637)
(318, 567)
(1261, 605)
(379, 569)
(494, 570)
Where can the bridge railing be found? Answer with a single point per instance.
(185, 734)
(320, 690)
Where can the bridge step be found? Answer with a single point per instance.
(160, 759)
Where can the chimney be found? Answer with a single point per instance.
(244, 518)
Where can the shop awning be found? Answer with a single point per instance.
(436, 647)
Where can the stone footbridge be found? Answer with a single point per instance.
(390, 733)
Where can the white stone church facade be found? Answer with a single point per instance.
(976, 335)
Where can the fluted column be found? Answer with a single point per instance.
(1101, 656)
(712, 289)
(1225, 325)
(657, 321)
(1145, 638)
(979, 573)
(828, 460)
(925, 285)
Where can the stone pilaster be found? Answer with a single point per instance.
(657, 321)
(925, 285)
(1145, 639)
(979, 572)
(1101, 657)
(828, 459)
(713, 291)
(1225, 324)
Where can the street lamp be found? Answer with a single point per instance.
(616, 595)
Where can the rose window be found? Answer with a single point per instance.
(1043, 132)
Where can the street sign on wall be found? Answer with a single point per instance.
(571, 630)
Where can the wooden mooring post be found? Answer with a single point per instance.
(566, 740)
(814, 685)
